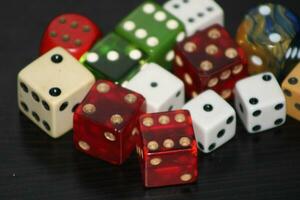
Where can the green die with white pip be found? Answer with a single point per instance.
(113, 58)
(153, 30)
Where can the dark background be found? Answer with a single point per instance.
(34, 166)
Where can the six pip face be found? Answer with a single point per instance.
(50, 88)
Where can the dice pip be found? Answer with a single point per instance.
(167, 149)
(113, 58)
(292, 57)
(154, 31)
(74, 32)
(194, 14)
(50, 88)
(214, 120)
(210, 59)
(290, 87)
(105, 123)
(162, 90)
(260, 102)
(265, 34)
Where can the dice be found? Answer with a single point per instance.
(194, 14)
(50, 88)
(260, 102)
(105, 123)
(214, 120)
(210, 59)
(113, 58)
(292, 94)
(75, 33)
(163, 91)
(167, 149)
(292, 57)
(265, 34)
(153, 30)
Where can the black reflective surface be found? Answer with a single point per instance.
(34, 166)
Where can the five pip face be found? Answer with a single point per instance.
(138, 100)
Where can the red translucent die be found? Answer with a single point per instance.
(210, 59)
(74, 32)
(105, 123)
(167, 149)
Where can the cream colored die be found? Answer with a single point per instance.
(49, 89)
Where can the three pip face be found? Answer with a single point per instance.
(160, 81)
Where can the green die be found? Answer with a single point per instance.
(113, 58)
(153, 30)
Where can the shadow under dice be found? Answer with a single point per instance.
(210, 59)
(167, 149)
(214, 120)
(260, 102)
(162, 90)
(73, 32)
(265, 34)
(290, 87)
(50, 88)
(113, 58)
(105, 123)
(153, 30)
(194, 14)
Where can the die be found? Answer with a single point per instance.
(154, 31)
(210, 59)
(105, 123)
(260, 102)
(265, 34)
(292, 94)
(50, 88)
(194, 14)
(214, 120)
(162, 90)
(292, 57)
(74, 32)
(113, 58)
(167, 149)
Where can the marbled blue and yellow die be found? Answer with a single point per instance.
(265, 34)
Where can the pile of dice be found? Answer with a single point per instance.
(160, 83)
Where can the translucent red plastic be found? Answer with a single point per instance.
(210, 59)
(105, 123)
(167, 149)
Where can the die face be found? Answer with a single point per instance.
(214, 120)
(113, 58)
(265, 35)
(260, 102)
(292, 94)
(162, 90)
(165, 153)
(196, 15)
(292, 57)
(154, 31)
(73, 32)
(108, 115)
(211, 60)
(50, 88)
(178, 174)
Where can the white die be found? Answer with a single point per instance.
(50, 88)
(162, 90)
(214, 120)
(196, 14)
(260, 102)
